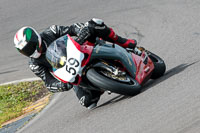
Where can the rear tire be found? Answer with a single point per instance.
(108, 84)
(159, 66)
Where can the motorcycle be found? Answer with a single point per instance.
(103, 67)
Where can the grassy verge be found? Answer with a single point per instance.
(15, 97)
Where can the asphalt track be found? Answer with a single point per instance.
(169, 28)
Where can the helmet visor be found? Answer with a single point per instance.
(29, 49)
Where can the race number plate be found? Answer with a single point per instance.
(72, 67)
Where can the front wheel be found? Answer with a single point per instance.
(159, 66)
(130, 87)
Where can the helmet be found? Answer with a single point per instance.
(28, 42)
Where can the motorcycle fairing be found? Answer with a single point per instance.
(144, 67)
(72, 67)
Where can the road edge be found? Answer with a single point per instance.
(30, 111)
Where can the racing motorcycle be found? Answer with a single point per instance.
(103, 67)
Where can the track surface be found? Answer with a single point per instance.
(169, 28)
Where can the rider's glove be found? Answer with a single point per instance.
(66, 86)
(61, 87)
(83, 35)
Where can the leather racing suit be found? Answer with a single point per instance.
(88, 31)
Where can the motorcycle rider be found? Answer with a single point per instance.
(34, 45)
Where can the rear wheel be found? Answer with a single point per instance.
(107, 81)
(159, 66)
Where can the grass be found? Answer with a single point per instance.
(15, 97)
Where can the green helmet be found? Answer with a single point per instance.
(28, 42)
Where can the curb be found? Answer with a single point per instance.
(32, 109)
(22, 80)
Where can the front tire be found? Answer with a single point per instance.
(159, 66)
(106, 83)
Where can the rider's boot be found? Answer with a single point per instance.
(123, 42)
(126, 43)
(95, 98)
(87, 98)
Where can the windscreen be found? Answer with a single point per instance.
(56, 52)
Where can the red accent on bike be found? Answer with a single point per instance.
(87, 49)
(77, 81)
(88, 43)
(78, 46)
(143, 72)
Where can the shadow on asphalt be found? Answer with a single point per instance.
(172, 72)
(113, 100)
